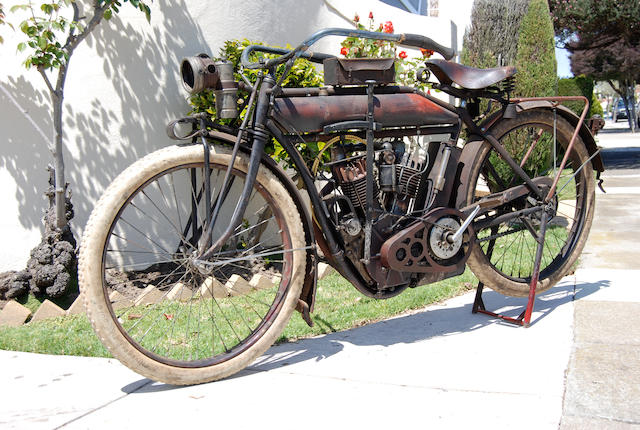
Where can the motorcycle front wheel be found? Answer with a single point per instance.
(158, 309)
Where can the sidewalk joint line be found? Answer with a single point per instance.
(103, 406)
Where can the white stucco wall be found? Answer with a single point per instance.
(123, 88)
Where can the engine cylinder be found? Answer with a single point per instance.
(353, 181)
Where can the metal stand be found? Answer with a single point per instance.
(524, 319)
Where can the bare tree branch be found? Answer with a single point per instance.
(98, 15)
(76, 18)
(616, 89)
(46, 80)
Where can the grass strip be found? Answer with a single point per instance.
(339, 307)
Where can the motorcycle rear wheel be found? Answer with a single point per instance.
(503, 256)
(152, 305)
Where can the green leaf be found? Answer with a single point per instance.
(19, 7)
(147, 12)
(107, 14)
(22, 46)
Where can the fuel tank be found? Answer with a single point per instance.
(311, 114)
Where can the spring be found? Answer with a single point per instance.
(509, 84)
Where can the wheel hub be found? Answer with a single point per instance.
(440, 236)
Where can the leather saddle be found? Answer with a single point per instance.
(468, 77)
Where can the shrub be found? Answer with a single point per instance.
(302, 74)
(579, 86)
(596, 107)
(536, 58)
(569, 87)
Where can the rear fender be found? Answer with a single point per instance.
(473, 146)
(565, 113)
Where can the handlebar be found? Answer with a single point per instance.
(414, 40)
(316, 57)
(419, 41)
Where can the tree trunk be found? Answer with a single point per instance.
(626, 92)
(633, 119)
(58, 160)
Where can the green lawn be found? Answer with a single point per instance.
(339, 306)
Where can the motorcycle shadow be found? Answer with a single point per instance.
(451, 318)
(427, 329)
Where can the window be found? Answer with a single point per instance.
(414, 6)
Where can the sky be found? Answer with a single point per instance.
(564, 66)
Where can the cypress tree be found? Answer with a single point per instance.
(536, 58)
(492, 38)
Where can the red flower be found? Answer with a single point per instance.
(427, 53)
(388, 27)
(356, 18)
(402, 55)
(344, 50)
(370, 15)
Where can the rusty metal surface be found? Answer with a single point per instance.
(409, 251)
(564, 112)
(311, 114)
(595, 124)
(468, 77)
(498, 199)
(357, 71)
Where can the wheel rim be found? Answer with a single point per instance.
(510, 247)
(189, 318)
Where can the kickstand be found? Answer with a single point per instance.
(524, 319)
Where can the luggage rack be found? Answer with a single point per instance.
(524, 319)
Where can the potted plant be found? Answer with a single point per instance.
(371, 59)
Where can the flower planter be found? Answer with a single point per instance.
(356, 71)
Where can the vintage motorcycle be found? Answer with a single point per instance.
(195, 257)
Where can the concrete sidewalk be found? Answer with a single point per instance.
(443, 367)
(577, 366)
(603, 380)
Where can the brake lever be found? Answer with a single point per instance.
(194, 119)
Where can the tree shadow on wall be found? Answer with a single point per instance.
(25, 154)
(143, 70)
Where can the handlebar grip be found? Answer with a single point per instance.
(419, 41)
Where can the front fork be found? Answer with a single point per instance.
(205, 248)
